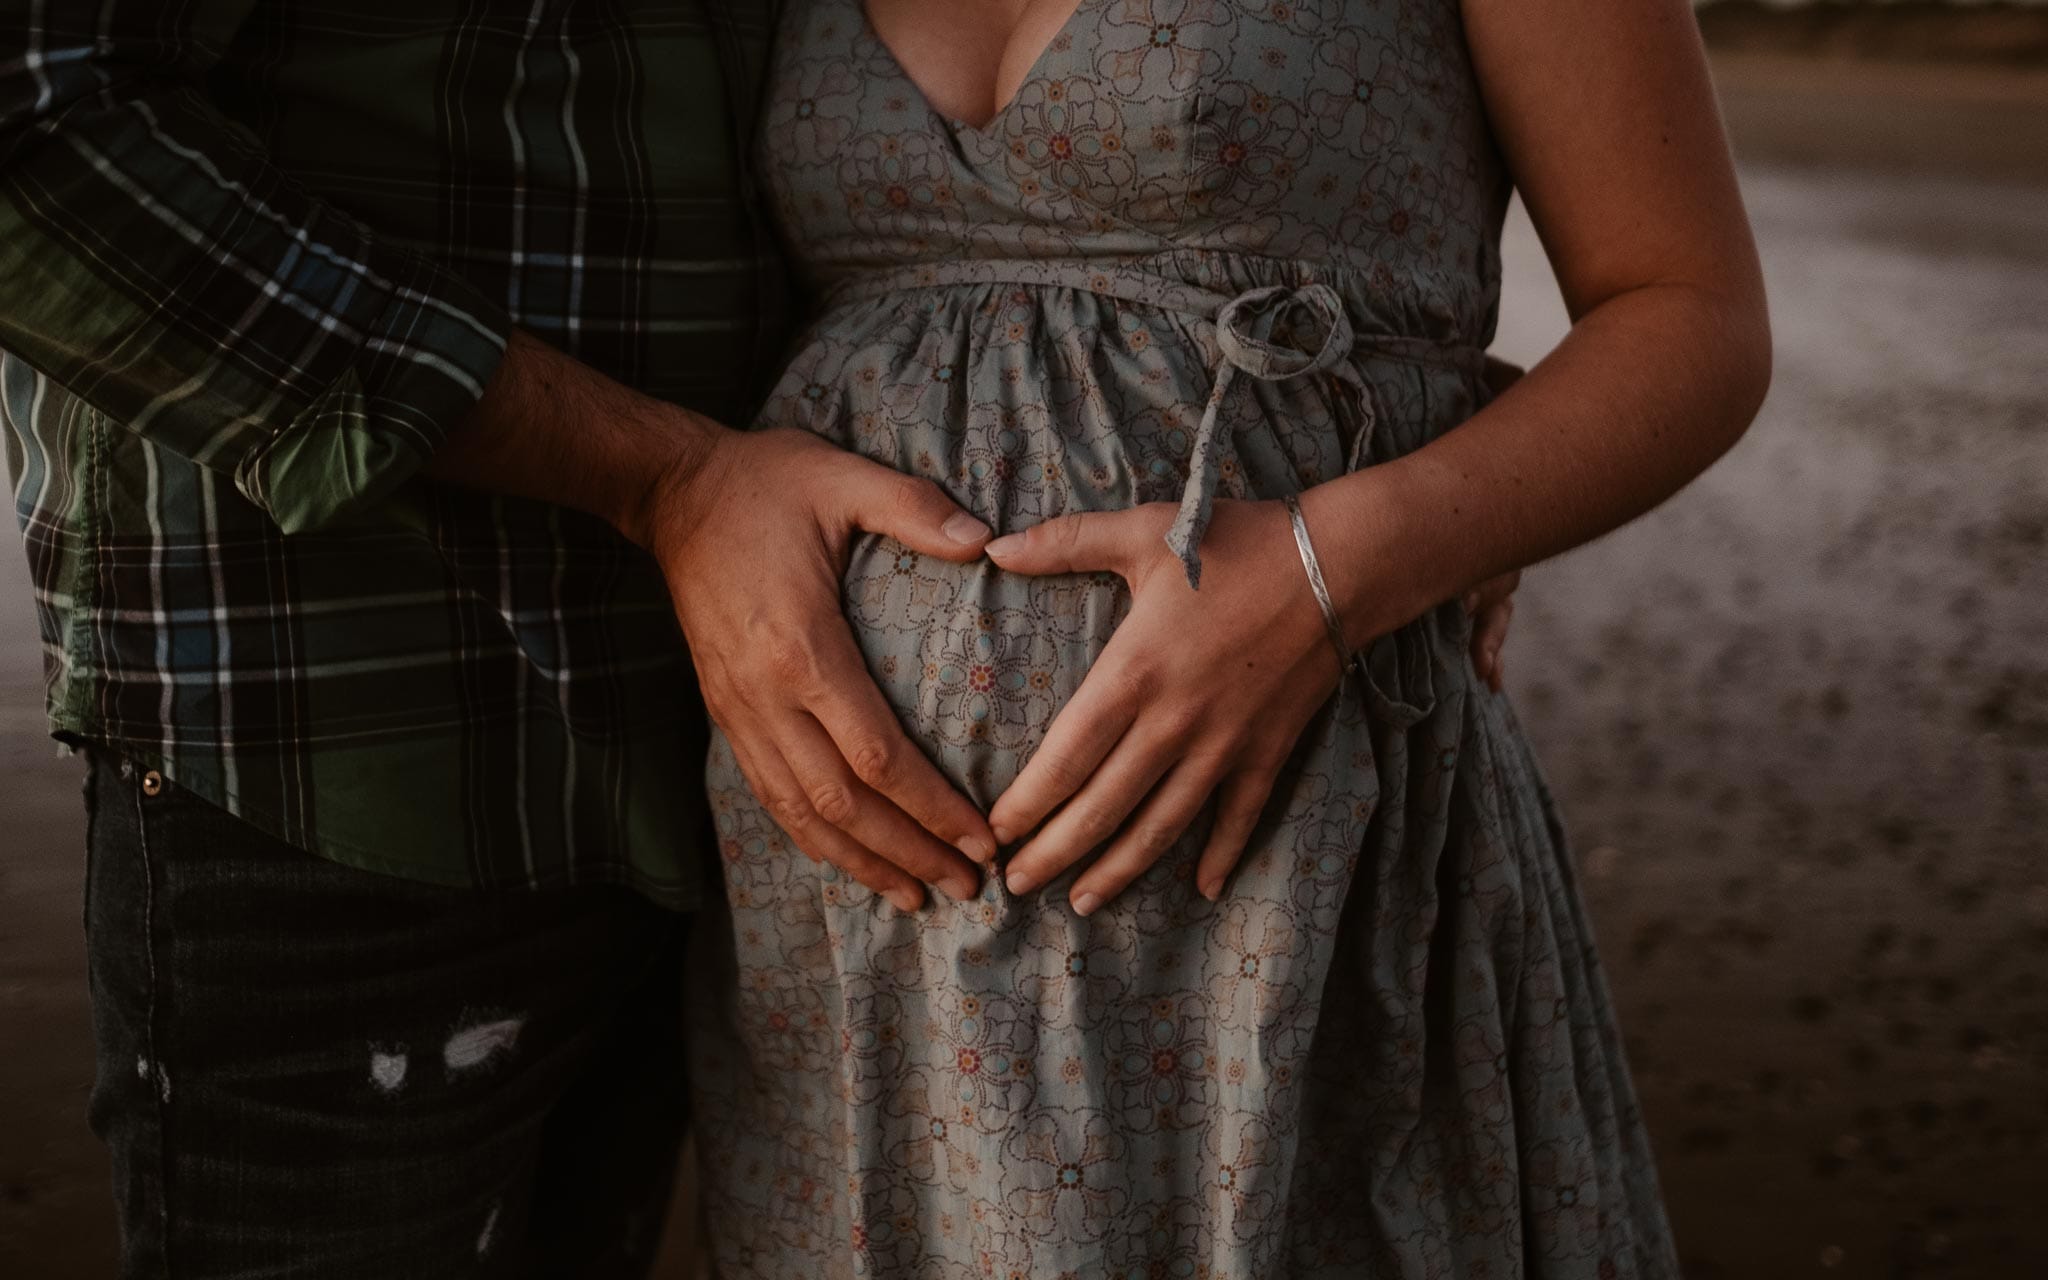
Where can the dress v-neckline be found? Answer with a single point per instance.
(1031, 72)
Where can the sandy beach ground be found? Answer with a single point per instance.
(1799, 717)
(1798, 720)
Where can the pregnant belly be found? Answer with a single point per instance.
(1025, 406)
(976, 661)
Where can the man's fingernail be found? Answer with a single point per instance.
(976, 849)
(961, 527)
(1212, 891)
(1002, 833)
(1018, 882)
(1003, 546)
(961, 890)
(1085, 904)
(905, 900)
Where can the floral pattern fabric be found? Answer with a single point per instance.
(1208, 247)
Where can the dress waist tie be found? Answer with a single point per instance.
(1274, 333)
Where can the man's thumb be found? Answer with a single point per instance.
(918, 514)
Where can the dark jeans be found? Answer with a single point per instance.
(307, 1070)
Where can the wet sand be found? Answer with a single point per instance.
(1798, 719)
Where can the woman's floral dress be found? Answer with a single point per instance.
(1209, 248)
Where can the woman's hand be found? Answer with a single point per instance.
(1196, 695)
(754, 541)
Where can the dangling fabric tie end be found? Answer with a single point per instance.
(1245, 333)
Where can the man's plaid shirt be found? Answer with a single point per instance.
(255, 259)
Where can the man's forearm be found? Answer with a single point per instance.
(552, 428)
(158, 266)
(751, 529)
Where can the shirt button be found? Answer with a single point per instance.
(152, 783)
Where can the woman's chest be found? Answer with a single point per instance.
(969, 59)
(1277, 126)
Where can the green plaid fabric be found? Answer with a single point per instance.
(255, 259)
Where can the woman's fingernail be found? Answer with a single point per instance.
(1085, 904)
(1018, 882)
(1003, 546)
(1002, 833)
(961, 527)
(961, 890)
(1212, 891)
(976, 849)
(905, 900)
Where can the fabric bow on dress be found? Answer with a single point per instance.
(1257, 331)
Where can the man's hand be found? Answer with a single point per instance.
(754, 542)
(752, 531)
(1491, 606)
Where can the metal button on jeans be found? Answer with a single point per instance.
(152, 783)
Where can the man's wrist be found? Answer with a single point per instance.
(552, 428)
(663, 490)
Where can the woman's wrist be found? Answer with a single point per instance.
(1377, 557)
(1312, 567)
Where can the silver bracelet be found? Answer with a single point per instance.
(1316, 584)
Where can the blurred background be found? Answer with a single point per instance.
(1798, 718)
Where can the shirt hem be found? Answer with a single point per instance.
(670, 896)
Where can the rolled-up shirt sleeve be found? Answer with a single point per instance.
(158, 265)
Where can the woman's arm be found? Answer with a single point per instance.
(1605, 113)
